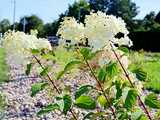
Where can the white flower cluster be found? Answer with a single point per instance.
(99, 29)
(70, 29)
(18, 46)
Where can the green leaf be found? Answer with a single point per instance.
(152, 101)
(142, 117)
(29, 67)
(124, 49)
(102, 74)
(69, 66)
(58, 98)
(67, 103)
(102, 100)
(35, 51)
(138, 114)
(48, 108)
(60, 74)
(130, 99)
(85, 52)
(140, 74)
(88, 116)
(82, 90)
(85, 102)
(44, 71)
(37, 87)
(123, 116)
(111, 69)
(48, 57)
(94, 116)
(118, 89)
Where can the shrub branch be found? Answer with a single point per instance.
(53, 85)
(127, 76)
(101, 88)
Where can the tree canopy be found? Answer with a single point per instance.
(4, 25)
(31, 22)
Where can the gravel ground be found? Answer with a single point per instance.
(21, 106)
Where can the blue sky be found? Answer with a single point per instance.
(49, 10)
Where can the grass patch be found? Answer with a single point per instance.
(2, 106)
(3, 67)
(3, 78)
(150, 62)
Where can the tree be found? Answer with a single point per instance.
(50, 29)
(149, 22)
(121, 8)
(31, 22)
(99, 5)
(4, 25)
(157, 19)
(78, 10)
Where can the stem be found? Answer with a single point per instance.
(102, 90)
(49, 78)
(53, 85)
(127, 76)
(92, 72)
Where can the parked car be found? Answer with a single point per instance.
(53, 40)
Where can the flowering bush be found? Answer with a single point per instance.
(100, 30)
(18, 45)
(114, 92)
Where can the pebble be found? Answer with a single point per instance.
(21, 106)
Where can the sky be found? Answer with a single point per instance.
(49, 10)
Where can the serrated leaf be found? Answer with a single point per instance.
(102, 74)
(130, 99)
(142, 117)
(152, 101)
(48, 56)
(118, 89)
(37, 87)
(60, 74)
(102, 100)
(123, 116)
(111, 69)
(138, 114)
(124, 49)
(140, 74)
(29, 67)
(69, 66)
(67, 103)
(44, 71)
(85, 102)
(82, 90)
(87, 53)
(94, 116)
(48, 108)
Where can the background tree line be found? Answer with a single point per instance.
(126, 9)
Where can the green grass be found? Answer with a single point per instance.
(3, 78)
(3, 67)
(150, 62)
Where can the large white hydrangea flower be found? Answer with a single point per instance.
(100, 30)
(70, 29)
(18, 46)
